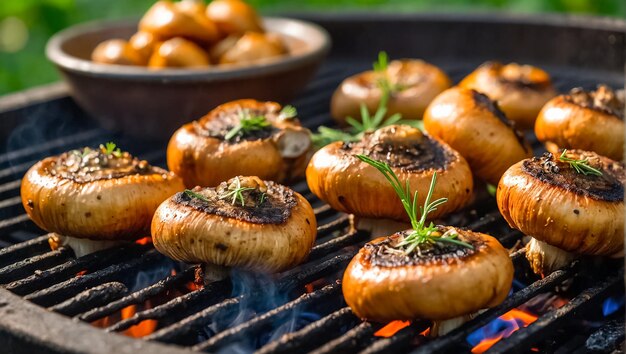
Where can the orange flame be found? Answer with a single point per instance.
(144, 241)
(141, 329)
(425, 332)
(81, 273)
(309, 288)
(515, 319)
(391, 328)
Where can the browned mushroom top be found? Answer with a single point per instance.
(608, 187)
(603, 99)
(492, 106)
(519, 76)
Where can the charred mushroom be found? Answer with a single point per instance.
(587, 120)
(520, 90)
(116, 51)
(349, 185)
(91, 197)
(572, 203)
(166, 19)
(407, 86)
(234, 17)
(428, 272)
(179, 52)
(244, 137)
(253, 46)
(244, 223)
(473, 125)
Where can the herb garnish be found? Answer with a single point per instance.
(111, 148)
(580, 166)
(383, 82)
(247, 123)
(236, 193)
(422, 234)
(192, 194)
(288, 112)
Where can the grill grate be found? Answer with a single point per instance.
(102, 284)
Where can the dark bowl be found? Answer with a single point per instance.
(154, 103)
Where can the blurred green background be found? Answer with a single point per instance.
(25, 25)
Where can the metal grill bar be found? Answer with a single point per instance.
(97, 296)
(403, 340)
(23, 250)
(27, 266)
(351, 341)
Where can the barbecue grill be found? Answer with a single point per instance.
(52, 302)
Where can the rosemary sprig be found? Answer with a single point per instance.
(421, 233)
(247, 123)
(386, 86)
(288, 112)
(236, 193)
(192, 194)
(111, 148)
(580, 166)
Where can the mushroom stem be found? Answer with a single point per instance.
(545, 259)
(440, 328)
(80, 246)
(379, 227)
(213, 273)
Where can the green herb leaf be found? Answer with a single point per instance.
(491, 189)
(288, 112)
(111, 148)
(580, 166)
(236, 193)
(421, 234)
(192, 194)
(247, 123)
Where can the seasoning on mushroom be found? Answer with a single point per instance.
(586, 120)
(243, 137)
(571, 203)
(473, 125)
(429, 271)
(244, 223)
(520, 90)
(407, 86)
(349, 185)
(95, 198)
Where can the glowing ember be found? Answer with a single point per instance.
(141, 329)
(612, 304)
(425, 332)
(391, 328)
(144, 241)
(485, 337)
(81, 273)
(309, 288)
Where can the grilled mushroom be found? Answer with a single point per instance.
(572, 203)
(243, 223)
(408, 84)
(430, 272)
(587, 120)
(473, 125)
(144, 43)
(116, 51)
(179, 52)
(234, 17)
(337, 177)
(166, 19)
(96, 195)
(251, 47)
(244, 137)
(520, 90)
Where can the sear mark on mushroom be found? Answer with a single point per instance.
(218, 126)
(608, 187)
(492, 106)
(410, 155)
(272, 206)
(603, 99)
(385, 253)
(517, 76)
(89, 165)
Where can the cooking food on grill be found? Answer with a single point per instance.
(349, 185)
(190, 34)
(93, 198)
(243, 137)
(473, 125)
(586, 120)
(429, 271)
(520, 90)
(406, 86)
(571, 203)
(244, 223)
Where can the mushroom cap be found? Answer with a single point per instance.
(178, 52)
(166, 19)
(421, 82)
(349, 185)
(571, 211)
(562, 123)
(203, 158)
(253, 46)
(520, 90)
(116, 51)
(144, 43)
(190, 232)
(473, 125)
(435, 289)
(103, 209)
(234, 17)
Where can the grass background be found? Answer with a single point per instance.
(26, 25)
